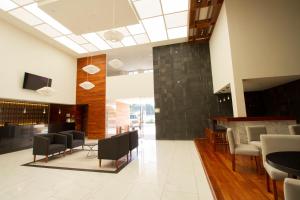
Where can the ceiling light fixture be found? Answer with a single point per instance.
(155, 28)
(90, 68)
(7, 5)
(87, 85)
(113, 35)
(96, 40)
(71, 44)
(116, 63)
(34, 9)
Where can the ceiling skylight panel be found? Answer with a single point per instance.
(7, 5)
(114, 44)
(71, 44)
(34, 9)
(176, 19)
(141, 38)
(96, 40)
(171, 6)
(48, 30)
(155, 28)
(23, 2)
(25, 16)
(128, 41)
(179, 32)
(90, 47)
(136, 29)
(77, 38)
(148, 8)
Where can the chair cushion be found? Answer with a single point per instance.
(274, 173)
(77, 143)
(54, 148)
(256, 143)
(246, 149)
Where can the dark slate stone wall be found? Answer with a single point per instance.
(184, 91)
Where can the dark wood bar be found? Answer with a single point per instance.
(21, 120)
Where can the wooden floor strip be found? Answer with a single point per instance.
(244, 184)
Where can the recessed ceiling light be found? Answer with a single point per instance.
(23, 2)
(141, 38)
(179, 32)
(176, 19)
(155, 28)
(78, 39)
(148, 8)
(34, 9)
(136, 29)
(26, 17)
(90, 47)
(171, 6)
(7, 5)
(48, 30)
(96, 40)
(128, 41)
(71, 44)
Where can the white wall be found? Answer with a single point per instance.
(129, 86)
(220, 53)
(264, 37)
(21, 52)
(254, 39)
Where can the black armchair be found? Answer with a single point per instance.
(74, 138)
(48, 144)
(133, 141)
(113, 148)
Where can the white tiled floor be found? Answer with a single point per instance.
(165, 170)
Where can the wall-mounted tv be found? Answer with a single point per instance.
(35, 82)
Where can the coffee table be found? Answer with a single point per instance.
(288, 162)
(91, 148)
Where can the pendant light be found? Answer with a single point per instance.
(87, 85)
(113, 35)
(47, 90)
(90, 68)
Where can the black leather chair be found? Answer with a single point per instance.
(74, 138)
(133, 141)
(113, 148)
(48, 144)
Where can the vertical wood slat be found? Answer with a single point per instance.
(94, 98)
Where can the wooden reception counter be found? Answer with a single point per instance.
(274, 124)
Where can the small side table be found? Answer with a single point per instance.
(91, 148)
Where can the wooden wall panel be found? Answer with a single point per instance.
(94, 98)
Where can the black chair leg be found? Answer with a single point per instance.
(99, 162)
(34, 158)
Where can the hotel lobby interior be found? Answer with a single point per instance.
(149, 99)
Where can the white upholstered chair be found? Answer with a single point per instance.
(253, 134)
(241, 149)
(277, 143)
(291, 189)
(294, 129)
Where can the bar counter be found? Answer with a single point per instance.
(274, 125)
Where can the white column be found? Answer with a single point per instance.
(238, 98)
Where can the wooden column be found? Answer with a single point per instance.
(94, 98)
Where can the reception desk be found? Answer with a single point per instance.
(274, 125)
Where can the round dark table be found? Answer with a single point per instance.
(288, 162)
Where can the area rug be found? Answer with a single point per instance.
(79, 160)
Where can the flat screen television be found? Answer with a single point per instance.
(35, 82)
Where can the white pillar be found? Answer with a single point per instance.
(238, 99)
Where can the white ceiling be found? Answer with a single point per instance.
(162, 21)
(100, 11)
(260, 84)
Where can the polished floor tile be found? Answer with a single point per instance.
(163, 170)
